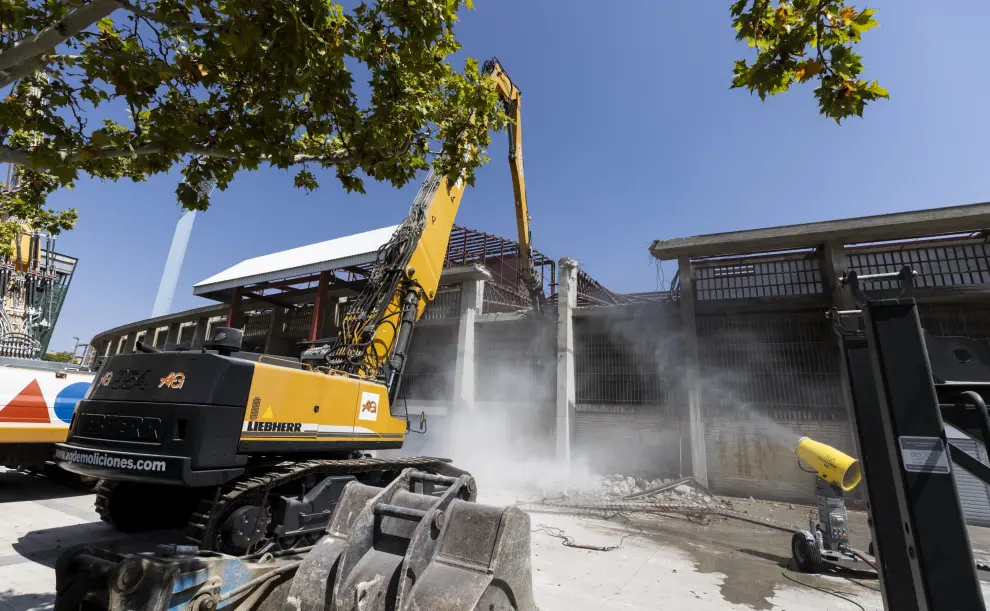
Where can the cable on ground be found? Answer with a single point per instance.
(567, 541)
(814, 587)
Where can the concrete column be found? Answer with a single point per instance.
(173, 336)
(567, 279)
(472, 302)
(199, 335)
(692, 380)
(130, 346)
(833, 264)
(234, 315)
(149, 336)
(275, 339)
(319, 305)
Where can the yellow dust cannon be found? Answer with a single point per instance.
(827, 543)
(833, 466)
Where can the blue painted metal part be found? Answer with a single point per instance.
(173, 578)
(199, 570)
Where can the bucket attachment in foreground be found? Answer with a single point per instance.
(385, 548)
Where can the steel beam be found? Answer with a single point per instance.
(913, 451)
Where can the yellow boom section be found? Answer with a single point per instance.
(512, 101)
(426, 262)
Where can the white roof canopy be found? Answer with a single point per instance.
(357, 249)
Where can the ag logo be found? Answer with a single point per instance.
(105, 380)
(173, 380)
(369, 406)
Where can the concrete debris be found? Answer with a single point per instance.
(685, 491)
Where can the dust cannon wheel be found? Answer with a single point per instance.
(804, 550)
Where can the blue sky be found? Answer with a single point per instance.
(630, 134)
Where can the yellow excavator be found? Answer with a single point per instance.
(252, 452)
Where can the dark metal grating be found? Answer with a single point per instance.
(256, 324)
(972, 321)
(515, 361)
(755, 278)
(429, 376)
(299, 321)
(937, 264)
(446, 304)
(621, 360)
(784, 364)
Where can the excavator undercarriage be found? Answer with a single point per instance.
(276, 507)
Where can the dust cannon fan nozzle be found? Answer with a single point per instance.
(832, 465)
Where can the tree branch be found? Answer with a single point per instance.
(26, 56)
(150, 15)
(22, 157)
(51, 37)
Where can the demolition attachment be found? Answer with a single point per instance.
(419, 543)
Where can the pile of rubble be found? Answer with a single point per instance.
(651, 499)
(638, 494)
(684, 492)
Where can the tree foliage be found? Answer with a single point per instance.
(800, 40)
(58, 357)
(132, 88)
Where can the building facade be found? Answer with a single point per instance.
(713, 378)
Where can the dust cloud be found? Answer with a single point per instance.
(654, 337)
(506, 436)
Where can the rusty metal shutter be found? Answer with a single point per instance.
(973, 493)
(639, 444)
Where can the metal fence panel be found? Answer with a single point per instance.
(515, 361)
(429, 374)
(939, 264)
(964, 320)
(626, 359)
(785, 365)
(758, 278)
(446, 304)
(256, 324)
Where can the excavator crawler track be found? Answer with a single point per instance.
(207, 519)
(134, 508)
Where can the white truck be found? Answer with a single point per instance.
(37, 400)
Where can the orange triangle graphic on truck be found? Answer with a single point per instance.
(28, 406)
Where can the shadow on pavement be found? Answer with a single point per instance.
(45, 546)
(777, 559)
(25, 602)
(18, 486)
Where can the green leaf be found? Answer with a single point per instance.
(788, 50)
(106, 27)
(305, 180)
(267, 81)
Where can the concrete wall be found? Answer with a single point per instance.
(652, 390)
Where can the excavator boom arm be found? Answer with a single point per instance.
(377, 328)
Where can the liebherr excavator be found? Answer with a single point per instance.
(254, 452)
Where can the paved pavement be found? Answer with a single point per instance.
(670, 567)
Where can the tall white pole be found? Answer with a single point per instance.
(170, 275)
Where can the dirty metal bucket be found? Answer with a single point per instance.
(385, 548)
